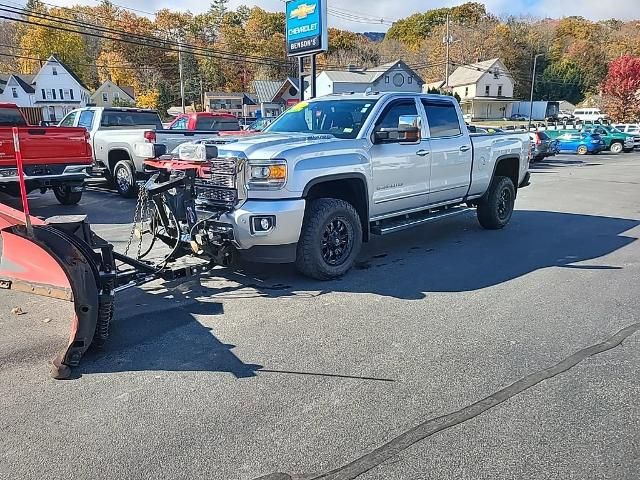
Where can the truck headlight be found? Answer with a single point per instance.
(267, 174)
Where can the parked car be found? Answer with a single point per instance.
(518, 117)
(223, 123)
(589, 115)
(54, 158)
(123, 138)
(331, 172)
(565, 116)
(580, 143)
(614, 139)
(631, 129)
(542, 146)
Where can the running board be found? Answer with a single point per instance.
(397, 224)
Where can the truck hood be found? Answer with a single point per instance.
(270, 145)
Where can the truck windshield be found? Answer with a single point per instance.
(11, 117)
(130, 118)
(340, 118)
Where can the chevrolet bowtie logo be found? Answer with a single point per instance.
(303, 11)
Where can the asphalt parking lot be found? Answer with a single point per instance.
(261, 373)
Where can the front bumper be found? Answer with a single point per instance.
(276, 245)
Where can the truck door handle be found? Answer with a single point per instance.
(465, 148)
(422, 153)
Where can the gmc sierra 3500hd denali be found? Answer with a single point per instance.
(329, 173)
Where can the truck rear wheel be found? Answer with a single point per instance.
(65, 196)
(330, 240)
(494, 211)
(125, 178)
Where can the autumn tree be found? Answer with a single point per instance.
(621, 89)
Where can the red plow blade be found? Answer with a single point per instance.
(50, 262)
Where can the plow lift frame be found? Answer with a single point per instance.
(63, 258)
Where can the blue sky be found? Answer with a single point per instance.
(392, 9)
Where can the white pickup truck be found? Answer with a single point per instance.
(122, 138)
(329, 173)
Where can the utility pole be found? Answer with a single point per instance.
(184, 108)
(447, 41)
(202, 94)
(533, 83)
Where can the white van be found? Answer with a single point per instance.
(589, 114)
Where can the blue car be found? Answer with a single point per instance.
(580, 143)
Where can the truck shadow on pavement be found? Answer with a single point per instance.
(457, 255)
(163, 327)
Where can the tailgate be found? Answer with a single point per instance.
(54, 146)
(173, 138)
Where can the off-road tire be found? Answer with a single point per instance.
(124, 177)
(492, 214)
(319, 217)
(65, 196)
(616, 147)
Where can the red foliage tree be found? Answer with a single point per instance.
(621, 89)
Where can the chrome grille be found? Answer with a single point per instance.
(218, 186)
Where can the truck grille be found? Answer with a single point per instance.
(217, 188)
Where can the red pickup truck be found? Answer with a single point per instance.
(220, 123)
(54, 158)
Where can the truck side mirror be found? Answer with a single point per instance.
(408, 131)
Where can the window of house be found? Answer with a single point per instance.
(44, 95)
(487, 90)
(105, 97)
(410, 79)
(14, 92)
(116, 95)
(53, 92)
(49, 94)
(466, 91)
(55, 70)
(499, 90)
(61, 95)
(443, 118)
(386, 79)
(52, 114)
(71, 93)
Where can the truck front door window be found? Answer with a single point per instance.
(69, 120)
(400, 169)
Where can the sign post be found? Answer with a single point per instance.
(307, 35)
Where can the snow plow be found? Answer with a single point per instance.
(62, 257)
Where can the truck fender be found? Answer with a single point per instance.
(496, 169)
(362, 206)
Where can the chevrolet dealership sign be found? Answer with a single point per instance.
(306, 27)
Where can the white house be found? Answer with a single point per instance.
(58, 90)
(485, 89)
(109, 92)
(18, 89)
(391, 77)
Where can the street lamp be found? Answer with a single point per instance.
(533, 83)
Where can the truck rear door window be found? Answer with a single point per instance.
(218, 124)
(130, 118)
(443, 118)
(86, 119)
(11, 117)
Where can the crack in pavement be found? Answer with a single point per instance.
(435, 425)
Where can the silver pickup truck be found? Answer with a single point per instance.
(123, 138)
(330, 173)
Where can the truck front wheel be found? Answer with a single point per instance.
(66, 196)
(616, 147)
(125, 178)
(330, 240)
(495, 211)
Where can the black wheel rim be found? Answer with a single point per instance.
(123, 179)
(336, 242)
(504, 204)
